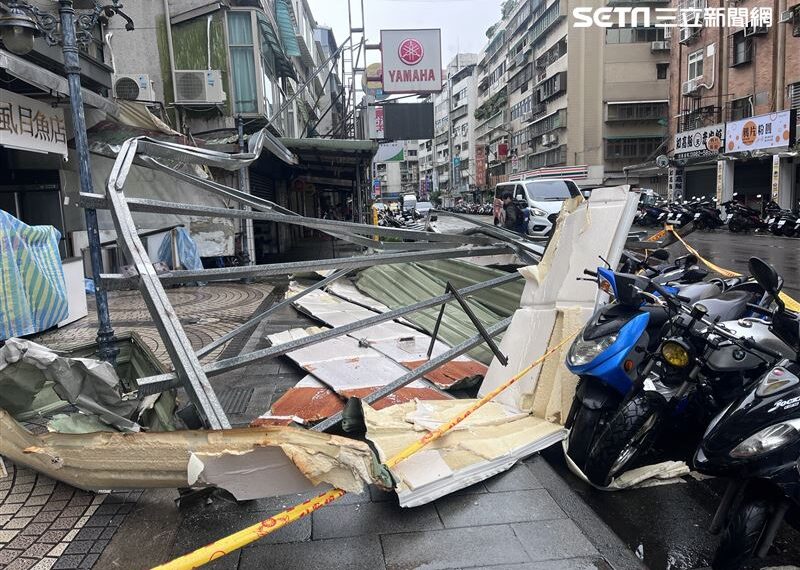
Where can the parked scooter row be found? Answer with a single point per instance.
(704, 214)
(670, 368)
(707, 215)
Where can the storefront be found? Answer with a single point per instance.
(695, 162)
(764, 164)
(33, 141)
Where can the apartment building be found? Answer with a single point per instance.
(208, 67)
(555, 99)
(734, 97)
(446, 164)
(401, 174)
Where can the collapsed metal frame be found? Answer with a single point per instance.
(193, 376)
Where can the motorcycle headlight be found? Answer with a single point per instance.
(538, 212)
(778, 379)
(768, 439)
(584, 351)
(675, 354)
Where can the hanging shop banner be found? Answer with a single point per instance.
(705, 141)
(28, 124)
(773, 131)
(412, 61)
(776, 177)
(480, 165)
(375, 129)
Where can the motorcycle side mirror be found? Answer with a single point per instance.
(766, 276)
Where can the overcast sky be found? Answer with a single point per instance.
(463, 22)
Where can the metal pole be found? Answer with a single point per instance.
(105, 334)
(248, 241)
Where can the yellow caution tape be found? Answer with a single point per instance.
(790, 303)
(242, 538)
(660, 234)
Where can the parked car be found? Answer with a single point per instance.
(542, 197)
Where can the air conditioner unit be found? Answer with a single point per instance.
(659, 46)
(755, 31)
(688, 34)
(549, 139)
(692, 86)
(133, 87)
(527, 116)
(198, 86)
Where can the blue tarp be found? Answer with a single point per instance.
(188, 256)
(33, 296)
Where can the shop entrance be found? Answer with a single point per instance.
(701, 183)
(751, 179)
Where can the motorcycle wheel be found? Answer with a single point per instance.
(700, 225)
(777, 231)
(741, 536)
(630, 432)
(583, 431)
(788, 232)
(735, 226)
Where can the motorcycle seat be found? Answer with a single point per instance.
(729, 306)
(658, 315)
(699, 291)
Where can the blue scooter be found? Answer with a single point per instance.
(608, 354)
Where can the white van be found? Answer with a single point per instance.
(409, 202)
(542, 197)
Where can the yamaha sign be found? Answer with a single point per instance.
(412, 61)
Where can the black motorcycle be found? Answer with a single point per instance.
(699, 366)
(756, 442)
(706, 215)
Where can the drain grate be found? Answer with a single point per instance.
(235, 400)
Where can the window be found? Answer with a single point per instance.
(243, 64)
(661, 70)
(521, 78)
(637, 111)
(634, 35)
(741, 49)
(695, 64)
(794, 96)
(740, 109)
(632, 147)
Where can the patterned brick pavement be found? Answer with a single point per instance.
(45, 524)
(206, 313)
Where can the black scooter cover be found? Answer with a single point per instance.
(745, 417)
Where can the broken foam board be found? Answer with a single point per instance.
(554, 304)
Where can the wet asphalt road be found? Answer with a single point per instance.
(667, 525)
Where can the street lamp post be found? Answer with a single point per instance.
(18, 28)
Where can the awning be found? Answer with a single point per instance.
(49, 81)
(287, 29)
(275, 58)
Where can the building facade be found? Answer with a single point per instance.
(731, 76)
(558, 99)
(194, 70)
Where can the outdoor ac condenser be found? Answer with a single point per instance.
(197, 87)
(133, 87)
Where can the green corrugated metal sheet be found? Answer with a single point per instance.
(287, 29)
(503, 300)
(407, 283)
